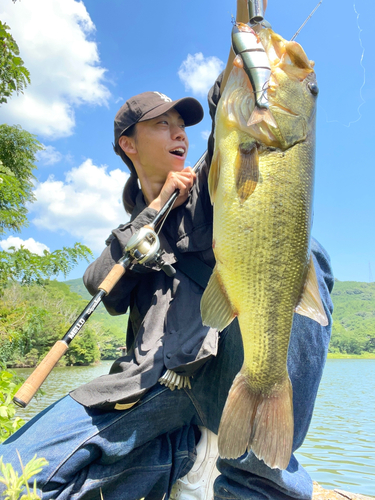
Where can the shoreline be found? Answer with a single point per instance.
(322, 494)
(365, 355)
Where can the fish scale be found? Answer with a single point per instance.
(261, 185)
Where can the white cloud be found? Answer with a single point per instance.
(55, 41)
(198, 73)
(30, 244)
(86, 205)
(49, 155)
(205, 134)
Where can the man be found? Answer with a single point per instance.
(127, 435)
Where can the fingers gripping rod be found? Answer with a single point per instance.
(143, 247)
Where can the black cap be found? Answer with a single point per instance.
(149, 105)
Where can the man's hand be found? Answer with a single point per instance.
(183, 181)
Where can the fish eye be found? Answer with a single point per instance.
(314, 89)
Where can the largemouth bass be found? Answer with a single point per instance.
(261, 185)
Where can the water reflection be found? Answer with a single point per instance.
(59, 383)
(339, 451)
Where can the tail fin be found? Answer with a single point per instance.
(261, 115)
(260, 422)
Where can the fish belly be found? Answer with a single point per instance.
(262, 250)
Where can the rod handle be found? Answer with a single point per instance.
(27, 391)
(112, 278)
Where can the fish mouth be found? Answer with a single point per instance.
(266, 124)
(283, 110)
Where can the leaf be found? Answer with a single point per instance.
(17, 61)
(3, 412)
(34, 467)
(14, 77)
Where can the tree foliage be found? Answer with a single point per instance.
(14, 77)
(33, 318)
(353, 329)
(9, 421)
(30, 268)
(18, 149)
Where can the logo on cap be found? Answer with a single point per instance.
(163, 96)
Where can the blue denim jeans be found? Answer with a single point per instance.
(142, 451)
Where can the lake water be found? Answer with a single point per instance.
(339, 451)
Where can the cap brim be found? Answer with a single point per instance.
(189, 108)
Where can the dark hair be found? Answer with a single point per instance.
(131, 188)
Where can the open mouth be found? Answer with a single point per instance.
(178, 152)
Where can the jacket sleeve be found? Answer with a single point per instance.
(117, 301)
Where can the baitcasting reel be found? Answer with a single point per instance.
(144, 247)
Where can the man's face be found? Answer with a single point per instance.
(161, 143)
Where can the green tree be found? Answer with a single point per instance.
(29, 268)
(18, 149)
(84, 350)
(353, 329)
(33, 318)
(14, 77)
(17, 146)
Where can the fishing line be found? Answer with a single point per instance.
(362, 66)
(364, 78)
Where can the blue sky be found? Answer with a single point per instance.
(86, 58)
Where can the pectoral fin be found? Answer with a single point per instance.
(216, 308)
(213, 176)
(311, 304)
(247, 170)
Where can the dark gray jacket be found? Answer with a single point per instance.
(165, 328)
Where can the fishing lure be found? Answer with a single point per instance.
(251, 56)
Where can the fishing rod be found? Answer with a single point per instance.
(306, 21)
(255, 9)
(143, 247)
